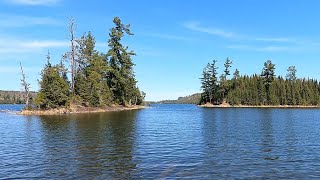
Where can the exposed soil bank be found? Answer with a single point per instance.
(227, 105)
(78, 110)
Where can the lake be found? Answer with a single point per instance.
(164, 141)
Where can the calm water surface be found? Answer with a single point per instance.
(165, 141)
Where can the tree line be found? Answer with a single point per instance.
(258, 89)
(97, 78)
(191, 99)
(14, 97)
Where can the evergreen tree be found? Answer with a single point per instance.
(206, 84)
(224, 82)
(121, 75)
(268, 75)
(291, 73)
(262, 89)
(213, 82)
(54, 89)
(91, 78)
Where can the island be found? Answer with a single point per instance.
(94, 82)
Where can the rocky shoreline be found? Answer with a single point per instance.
(78, 110)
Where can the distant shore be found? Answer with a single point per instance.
(226, 105)
(79, 110)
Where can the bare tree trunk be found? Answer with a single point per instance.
(72, 58)
(25, 86)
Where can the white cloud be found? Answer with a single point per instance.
(15, 21)
(34, 2)
(44, 44)
(169, 37)
(266, 48)
(194, 26)
(284, 40)
(15, 45)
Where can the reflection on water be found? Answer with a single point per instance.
(91, 143)
(166, 141)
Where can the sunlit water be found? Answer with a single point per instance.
(165, 141)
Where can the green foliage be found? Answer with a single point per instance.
(121, 76)
(99, 79)
(291, 73)
(14, 97)
(266, 89)
(192, 99)
(224, 82)
(54, 89)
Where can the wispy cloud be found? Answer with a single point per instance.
(169, 36)
(44, 44)
(256, 43)
(280, 40)
(34, 2)
(195, 26)
(267, 48)
(15, 21)
(15, 45)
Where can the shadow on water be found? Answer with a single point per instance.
(90, 145)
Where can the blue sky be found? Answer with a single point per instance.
(173, 40)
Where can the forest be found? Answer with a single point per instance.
(191, 99)
(258, 89)
(13, 97)
(93, 79)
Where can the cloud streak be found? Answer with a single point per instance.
(17, 46)
(256, 43)
(16, 21)
(169, 37)
(34, 2)
(195, 26)
(270, 48)
(280, 40)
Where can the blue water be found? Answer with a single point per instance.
(165, 141)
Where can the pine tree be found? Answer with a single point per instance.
(224, 82)
(268, 75)
(206, 85)
(213, 81)
(291, 73)
(121, 76)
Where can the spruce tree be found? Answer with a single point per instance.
(91, 78)
(54, 89)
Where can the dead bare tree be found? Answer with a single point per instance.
(25, 86)
(72, 55)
